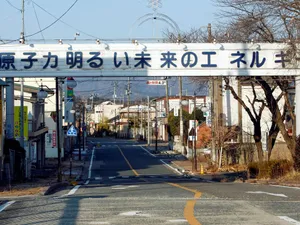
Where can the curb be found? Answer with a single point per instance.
(54, 187)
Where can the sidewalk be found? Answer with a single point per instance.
(40, 185)
(181, 163)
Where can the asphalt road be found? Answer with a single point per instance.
(126, 185)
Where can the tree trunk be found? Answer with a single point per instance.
(273, 106)
(257, 139)
(259, 151)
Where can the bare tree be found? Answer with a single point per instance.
(269, 21)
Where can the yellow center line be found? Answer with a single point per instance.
(133, 170)
(190, 205)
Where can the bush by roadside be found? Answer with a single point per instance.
(270, 169)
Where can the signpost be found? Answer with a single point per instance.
(157, 82)
(17, 121)
(72, 132)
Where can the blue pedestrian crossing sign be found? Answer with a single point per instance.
(72, 132)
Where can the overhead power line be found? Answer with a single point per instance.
(38, 21)
(13, 5)
(50, 25)
(87, 34)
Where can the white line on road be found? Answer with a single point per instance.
(98, 178)
(87, 182)
(4, 206)
(91, 163)
(95, 222)
(111, 178)
(290, 220)
(74, 190)
(178, 221)
(297, 188)
(148, 152)
(166, 164)
(267, 193)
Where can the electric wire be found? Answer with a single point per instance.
(34, 3)
(13, 6)
(38, 21)
(50, 25)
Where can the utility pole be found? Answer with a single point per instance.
(59, 175)
(148, 136)
(156, 130)
(115, 85)
(22, 41)
(84, 126)
(115, 123)
(180, 114)
(141, 124)
(195, 135)
(79, 134)
(213, 106)
(128, 104)
(167, 107)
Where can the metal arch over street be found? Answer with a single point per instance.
(147, 59)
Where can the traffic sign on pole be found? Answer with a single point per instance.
(72, 132)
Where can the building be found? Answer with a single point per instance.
(138, 121)
(174, 106)
(105, 111)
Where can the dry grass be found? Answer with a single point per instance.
(233, 168)
(23, 191)
(292, 177)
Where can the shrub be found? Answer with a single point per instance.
(253, 169)
(270, 169)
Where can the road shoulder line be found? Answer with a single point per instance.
(74, 190)
(171, 167)
(290, 220)
(282, 186)
(5, 205)
(148, 152)
(91, 163)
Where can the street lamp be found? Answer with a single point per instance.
(78, 114)
(42, 94)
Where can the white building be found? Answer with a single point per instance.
(230, 110)
(106, 110)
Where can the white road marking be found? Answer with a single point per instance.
(267, 193)
(87, 182)
(5, 205)
(91, 163)
(166, 164)
(178, 221)
(111, 178)
(148, 152)
(290, 220)
(133, 186)
(74, 190)
(98, 178)
(297, 188)
(134, 213)
(95, 222)
(122, 187)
